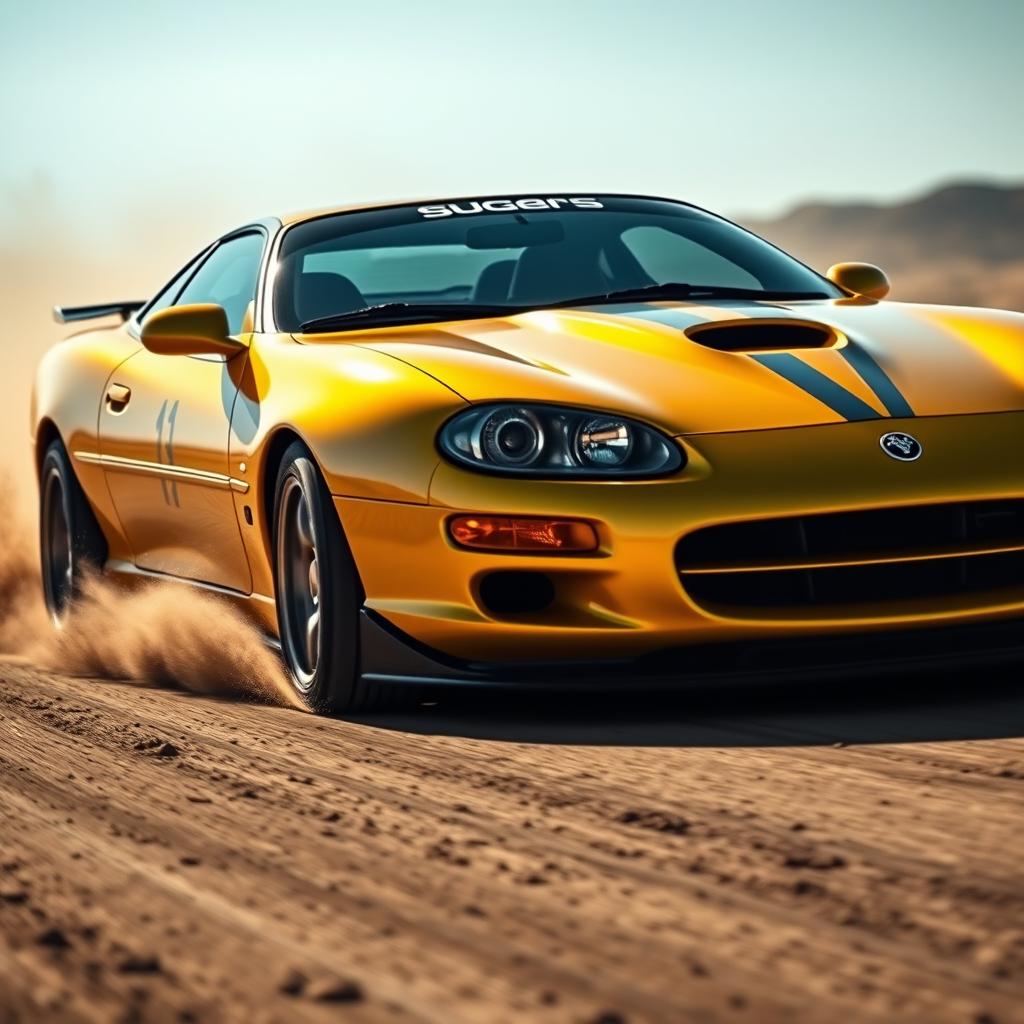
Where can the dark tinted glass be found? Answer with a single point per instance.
(519, 252)
(228, 278)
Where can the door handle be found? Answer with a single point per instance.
(118, 396)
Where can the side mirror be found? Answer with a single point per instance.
(860, 278)
(198, 330)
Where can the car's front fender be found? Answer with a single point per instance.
(370, 421)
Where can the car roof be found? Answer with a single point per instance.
(326, 211)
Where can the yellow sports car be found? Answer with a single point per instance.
(544, 439)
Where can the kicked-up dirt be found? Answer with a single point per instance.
(835, 854)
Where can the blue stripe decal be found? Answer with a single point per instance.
(786, 365)
(878, 380)
(818, 386)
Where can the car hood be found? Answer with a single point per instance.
(663, 362)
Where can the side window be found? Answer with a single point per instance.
(165, 298)
(228, 278)
(668, 257)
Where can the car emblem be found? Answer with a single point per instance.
(902, 447)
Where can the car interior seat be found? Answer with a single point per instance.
(546, 273)
(321, 294)
(494, 282)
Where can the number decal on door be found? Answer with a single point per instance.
(170, 417)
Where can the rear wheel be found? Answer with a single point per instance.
(71, 544)
(319, 594)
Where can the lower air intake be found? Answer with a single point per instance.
(845, 559)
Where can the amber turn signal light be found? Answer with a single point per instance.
(515, 533)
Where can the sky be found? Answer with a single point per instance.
(193, 117)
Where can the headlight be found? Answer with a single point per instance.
(605, 443)
(509, 437)
(546, 440)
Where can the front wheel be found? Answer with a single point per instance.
(318, 593)
(71, 544)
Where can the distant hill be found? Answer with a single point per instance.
(961, 244)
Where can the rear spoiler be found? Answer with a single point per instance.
(71, 314)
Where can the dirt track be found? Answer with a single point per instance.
(167, 857)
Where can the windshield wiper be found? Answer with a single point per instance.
(404, 312)
(424, 312)
(682, 290)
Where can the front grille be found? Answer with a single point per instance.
(876, 556)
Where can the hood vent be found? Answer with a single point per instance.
(762, 335)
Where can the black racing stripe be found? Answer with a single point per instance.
(818, 386)
(877, 379)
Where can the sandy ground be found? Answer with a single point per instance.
(798, 855)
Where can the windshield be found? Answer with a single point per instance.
(519, 253)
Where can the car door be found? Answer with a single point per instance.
(164, 426)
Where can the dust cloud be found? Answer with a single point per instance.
(156, 634)
(165, 635)
(21, 608)
(161, 634)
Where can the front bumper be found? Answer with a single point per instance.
(391, 658)
(627, 602)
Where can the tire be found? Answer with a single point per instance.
(71, 544)
(319, 594)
